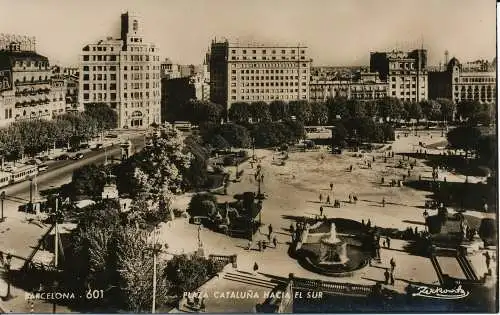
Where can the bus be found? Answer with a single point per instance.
(5, 178)
(23, 173)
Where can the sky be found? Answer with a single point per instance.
(337, 32)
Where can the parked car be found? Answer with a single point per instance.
(97, 146)
(63, 157)
(78, 156)
(34, 162)
(84, 146)
(111, 135)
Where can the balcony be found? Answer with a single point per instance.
(21, 83)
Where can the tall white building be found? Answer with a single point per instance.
(257, 72)
(125, 74)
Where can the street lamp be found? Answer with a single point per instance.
(156, 248)
(2, 198)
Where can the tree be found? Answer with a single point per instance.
(448, 108)
(279, 110)
(134, 262)
(199, 112)
(356, 108)
(196, 175)
(339, 135)
(197, 207)
(371, 108)
(413, 110)
(431, 110)
(301, 110)
(319, 114)
(186, 273)
(487, 150)
(337, 107)
(388, 132)
(236, 135)
(464, 137)
(104, 115)
(390, 107)
(260, 112)
(161, 164)
(89, 181)
(240, 112)
(468, 109)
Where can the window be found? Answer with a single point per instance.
(85, 57)
(86, 77)
(85, 96)
(86, 87)
(112, 86)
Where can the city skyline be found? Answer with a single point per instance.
(326, 27)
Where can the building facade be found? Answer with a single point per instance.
(471, 81)
(363, 86)
(405, 73)
(125, 74)
(253, 72)
(28, 89)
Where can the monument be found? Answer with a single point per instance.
(332, 249)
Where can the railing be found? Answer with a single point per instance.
(333, 287)
(226, 259)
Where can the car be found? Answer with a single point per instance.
(63, 157)
(42, 167)
(78, 156)
(85, 146)
(112, 135)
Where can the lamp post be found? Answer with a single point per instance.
(156, 248)
(2, 198)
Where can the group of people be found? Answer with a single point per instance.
(389, 275)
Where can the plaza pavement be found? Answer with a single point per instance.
(293, 191)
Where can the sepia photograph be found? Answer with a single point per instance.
(237, 156)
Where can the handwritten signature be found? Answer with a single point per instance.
(441, 293)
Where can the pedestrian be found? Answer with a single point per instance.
(320, 198)
(275, 241)
(350, 198)
(444, 179)
(383, 180)
(373, 159)
(255, 267)
(386, 275)
(383, 201)
(393, 265)
(369, 223)
(350, 168)
(488, 260)
(328, 199)
(409, 173)
(321, 211)
(331, 186)
(388, 242)
(416, 230)
(392, 278)
(270, 229)
(292, 229)
(355, 198)
(259, 243)
(384, 244)
(363, 222)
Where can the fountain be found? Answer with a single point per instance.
(332, 249)
(321, 250)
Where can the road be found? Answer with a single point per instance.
(60, 173)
